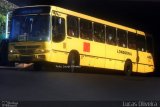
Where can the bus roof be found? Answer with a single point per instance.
(80, 15)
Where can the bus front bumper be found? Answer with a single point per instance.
(26, 58)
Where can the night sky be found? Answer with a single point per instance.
(139, 14)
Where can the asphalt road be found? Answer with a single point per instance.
(20, 85)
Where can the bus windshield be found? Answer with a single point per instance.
(30, 28)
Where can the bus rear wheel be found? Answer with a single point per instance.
(73, 61)
(128, 68)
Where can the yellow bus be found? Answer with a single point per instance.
(53, 34)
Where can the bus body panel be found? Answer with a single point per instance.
(110, 56)
(149, 63)
(142, 61)
(120, 56)
(98, 52)
(92, 54)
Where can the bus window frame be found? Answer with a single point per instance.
(78, 27)
(133, 35)
(137, 42)
(104, 28)
(126, 37)
(90, 39)
(115, 35)
(52, 28)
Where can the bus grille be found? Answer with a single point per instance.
(26, 51)
(27, 47)
(26, 58)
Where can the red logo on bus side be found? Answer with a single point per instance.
(86, 47)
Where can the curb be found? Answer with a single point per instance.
(7, 67)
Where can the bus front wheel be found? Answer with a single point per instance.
(37, 66)
(73, 61)
(128, 68)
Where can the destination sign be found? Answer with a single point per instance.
(31, 10)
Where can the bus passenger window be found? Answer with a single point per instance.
(110, 35)
(58, 29)
(140, 39)
(72, 26)
(99, 33)
(131, 40)
(85, 29)
(122, 38)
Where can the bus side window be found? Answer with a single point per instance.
(110, 35)
(58, 28)
(72, 26)
(99, 33)
(122, 38)
(140, 40)
(131, 40)
(85, 29)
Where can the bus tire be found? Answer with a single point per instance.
(11, 64)
(37, 66)
(73, 61)
(128, 67)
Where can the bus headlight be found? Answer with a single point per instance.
(38, 51)
(13, 51)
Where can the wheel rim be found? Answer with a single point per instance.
(128, 70)
(72, 63)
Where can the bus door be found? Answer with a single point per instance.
(58, 36)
